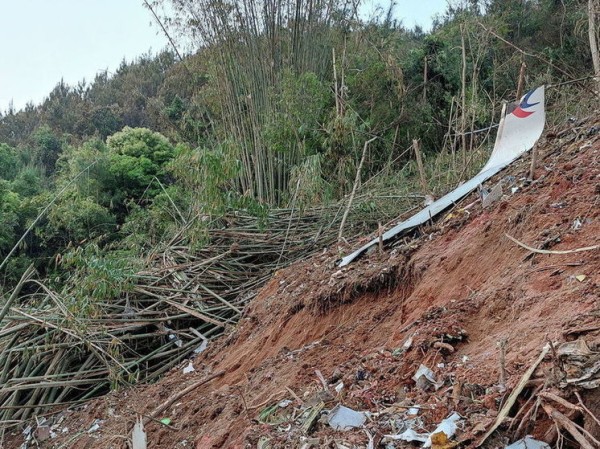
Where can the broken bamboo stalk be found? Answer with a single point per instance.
(354, 187)
(422, 178)
(547, 251)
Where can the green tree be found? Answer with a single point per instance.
(8, 162)
(48, 147)
(9, 216)
(137, 157)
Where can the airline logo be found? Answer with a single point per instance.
(521, 110)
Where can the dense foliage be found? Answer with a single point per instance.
(273, 109)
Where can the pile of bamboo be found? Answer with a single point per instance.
(182, 299)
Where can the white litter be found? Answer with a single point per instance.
(448, 426)
(408, 435)
(528, 443)
(344, 418)
(138, 436)
(189, 368)
(95, 426)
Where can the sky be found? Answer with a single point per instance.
(44, 41)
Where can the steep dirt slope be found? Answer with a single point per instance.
(445, 299)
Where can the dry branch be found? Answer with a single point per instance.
(547, 251)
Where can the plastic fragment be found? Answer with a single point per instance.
(424, 378)
(202, 347)
(165, 421)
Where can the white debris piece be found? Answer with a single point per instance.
(189, 368)
(408, 435)
(344, 418)
(448, 426)
(424, 377)
(95, 426)
(528, 443)
(138, 435)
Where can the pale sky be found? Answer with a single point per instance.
(42, 41)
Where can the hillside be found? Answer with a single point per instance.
(444, 299)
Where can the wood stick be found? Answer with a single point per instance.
(521, 80)
(533, 166)
(417, 148)
(564, 422)
(553, 397)
(354, 187)
(502, 380)
(547, 251)
(162, 407)
(24, 278)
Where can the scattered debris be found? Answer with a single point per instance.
(95, 426)
(312, 416)
(425, 378)
(138, 435)
(344, 418)
(440, 440)
(42, 433)
(447, 427)
(581, 364)
(189, 368)
(264, 443)
(408, 435)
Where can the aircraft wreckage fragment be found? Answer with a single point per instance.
(518, 132)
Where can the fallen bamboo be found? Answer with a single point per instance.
(125, 340)
(547, 251)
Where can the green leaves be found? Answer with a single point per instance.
(136, 157)
(9, 216)
(95, 276)
(8, 162)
